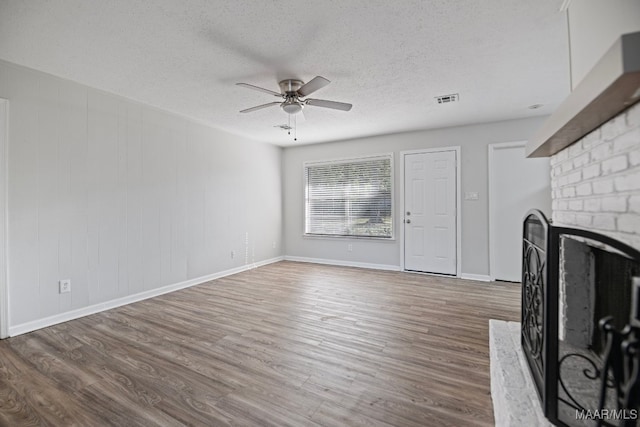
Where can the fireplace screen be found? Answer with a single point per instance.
(581, 324)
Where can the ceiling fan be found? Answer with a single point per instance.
(292, 91)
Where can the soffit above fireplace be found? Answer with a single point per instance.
(612, 86)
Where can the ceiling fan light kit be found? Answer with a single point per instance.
(291, 106)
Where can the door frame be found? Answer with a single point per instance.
(4, 218)
(492, 148)
(400, 212)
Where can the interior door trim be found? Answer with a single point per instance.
(492, 148)
(4, 218)
(400, 210)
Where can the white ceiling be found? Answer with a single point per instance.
(388, 58)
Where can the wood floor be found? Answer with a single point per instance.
(288, 344)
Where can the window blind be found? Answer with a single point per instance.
(349, 198)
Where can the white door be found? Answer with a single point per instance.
(430, 212)
(516, 185)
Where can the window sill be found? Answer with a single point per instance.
(331, 237)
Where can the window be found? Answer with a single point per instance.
(349, 197)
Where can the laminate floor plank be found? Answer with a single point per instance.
(43, 396)
(111, 407)
(287, 344)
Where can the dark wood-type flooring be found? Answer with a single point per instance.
(288, 344)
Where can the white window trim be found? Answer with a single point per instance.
(339, 160)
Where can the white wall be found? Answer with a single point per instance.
(473, 141)
(122, 198)
(594, 25)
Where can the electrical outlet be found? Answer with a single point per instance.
(65, 286)
(233, 254)
(274, 245)
(350, 247)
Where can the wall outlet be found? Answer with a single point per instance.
(65, 286)
(350, 247)
(274, 245)
(233, 254)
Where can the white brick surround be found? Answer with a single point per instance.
(595, 182)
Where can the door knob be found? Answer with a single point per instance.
(408, 221)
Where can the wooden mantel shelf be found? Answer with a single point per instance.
(612, 86)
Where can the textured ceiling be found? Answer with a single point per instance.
(388, 58)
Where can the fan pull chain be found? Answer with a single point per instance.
(295, 128)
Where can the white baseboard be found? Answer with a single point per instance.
(96, 308)
(343, 263)
(478, 277)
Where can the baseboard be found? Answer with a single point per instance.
(477, 277)
(96, 308)
(342, 263)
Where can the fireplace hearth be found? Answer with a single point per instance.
(580, 328)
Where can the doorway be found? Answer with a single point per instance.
(516, 185)
(430, 204)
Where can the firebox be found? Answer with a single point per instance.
(581, 324)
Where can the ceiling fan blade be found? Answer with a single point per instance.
(329, 104)
(318, 82)
(260, 107)
(261, 89)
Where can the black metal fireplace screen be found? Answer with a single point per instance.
(596, 384)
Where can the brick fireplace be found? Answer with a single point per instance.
(593, 142)
(595, 182)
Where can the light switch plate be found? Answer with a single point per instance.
(64, 286)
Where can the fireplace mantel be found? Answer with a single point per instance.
(612, 86)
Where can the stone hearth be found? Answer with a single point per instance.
(515, 400)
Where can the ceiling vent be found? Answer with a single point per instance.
(446, 99)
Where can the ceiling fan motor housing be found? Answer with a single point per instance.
(289, 89)
(290, 86)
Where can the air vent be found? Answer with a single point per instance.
(445, 99)
(283, 127)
